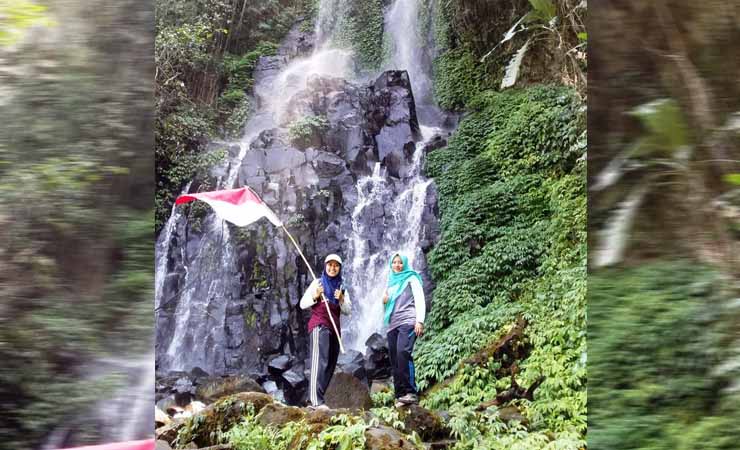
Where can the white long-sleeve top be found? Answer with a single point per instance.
(307, 300)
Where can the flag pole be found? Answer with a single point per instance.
(326, 302)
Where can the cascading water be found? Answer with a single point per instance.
(403, 28)
(401, 232)
(403, 212)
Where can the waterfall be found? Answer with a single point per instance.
(162, 251)
(402, 232)
(402, 228)
(408, 45)
(330, 16)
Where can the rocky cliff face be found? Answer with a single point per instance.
(229, 298)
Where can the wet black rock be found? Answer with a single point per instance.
(353, 363)
(197, 372)
(295, 385)
(279, 364)
(377, 361)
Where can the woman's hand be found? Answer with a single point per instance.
(319, 291)
(419, 329)
(339, 295)
(385, 297)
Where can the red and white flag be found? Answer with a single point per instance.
(238, 206)
(133, 445)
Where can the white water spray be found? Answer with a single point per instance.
(402, 232)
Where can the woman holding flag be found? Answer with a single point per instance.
(324, 326)
(405, 308)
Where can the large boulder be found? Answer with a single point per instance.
(427, 424)
(346, 391)
(279, 364)
(278, 415)
(377, 360)
(295, 386)
(353, 363)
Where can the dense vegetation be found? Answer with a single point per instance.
(75, 194)
(665, 328)
(512, 203)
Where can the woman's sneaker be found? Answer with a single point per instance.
(409, 399)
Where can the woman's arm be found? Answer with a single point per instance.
(419, 301)
(307, 300)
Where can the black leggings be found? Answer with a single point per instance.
(324, 354)
(400, 347)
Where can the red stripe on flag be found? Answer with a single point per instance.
(238, 206)
(147, 444)
(234, 196)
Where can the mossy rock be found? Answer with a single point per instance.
(203, 427)
(427, 424)
(347, 391)
(386, 438)
(278, 415)
(219, 388)
(168, 432)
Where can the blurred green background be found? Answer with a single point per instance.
(664, 225)
(76, 207)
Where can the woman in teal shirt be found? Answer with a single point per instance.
(405, 308)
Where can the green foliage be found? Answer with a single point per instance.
(346, 433)
(437, 356)
(513, 214)
(542, 11)
(667, 131)
(205, 53)
(75, 188)
(458, 77)
(182, 170)
(383, 398)
(361, 30)
(129, 292)
(389, 416)
(239, 69)
(307, 130)
(733, 178)
(655, 335)
(251, 435)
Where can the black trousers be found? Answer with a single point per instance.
(400, 347)
(324, 354)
